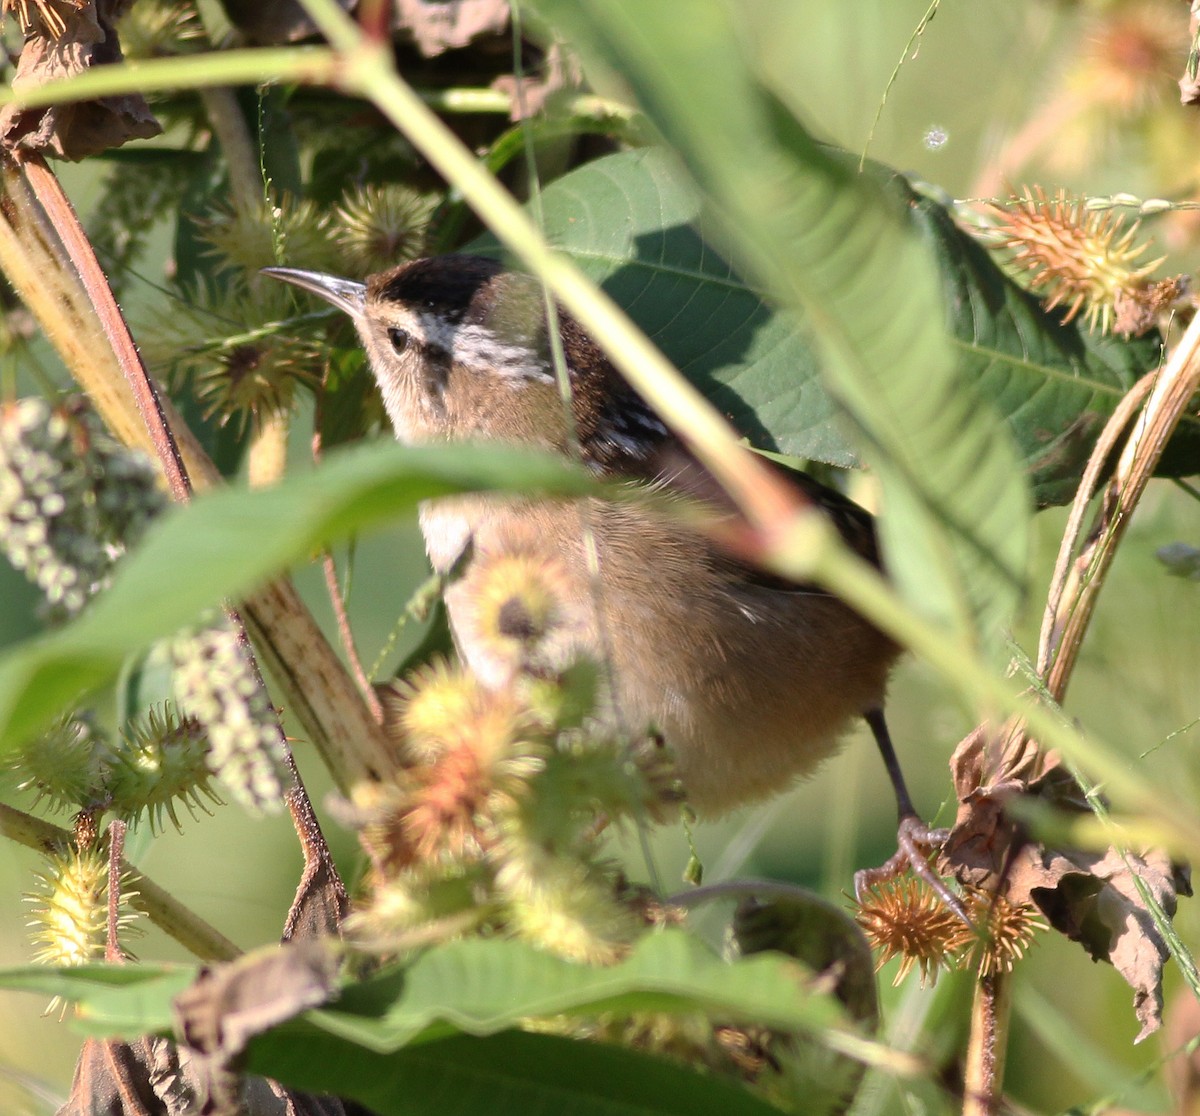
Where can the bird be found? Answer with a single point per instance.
(753, 681)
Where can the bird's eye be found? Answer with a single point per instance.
(399, 339)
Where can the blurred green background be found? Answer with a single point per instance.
(1024, 92)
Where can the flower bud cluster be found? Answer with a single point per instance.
(71, 500)
(216, 685)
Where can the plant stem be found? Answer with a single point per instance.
(1100, 454)
(267, 456)
(116, 854)
(306, 65)
(983, 1074)
(226, 120)
(61, 214)
(1172, 392)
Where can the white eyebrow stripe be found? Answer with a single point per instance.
(476, 347)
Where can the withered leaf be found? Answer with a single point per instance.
(229, 1004)
(559, 70)
(1091, 897)
(142, 1078)
(321, 902)
(77, 130)
(154, 1077)
(320, 905)
(433, 26)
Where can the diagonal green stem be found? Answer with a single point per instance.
(303, 65)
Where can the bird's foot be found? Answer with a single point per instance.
(915, 841)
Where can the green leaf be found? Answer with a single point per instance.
(227, 543)
(633, 223)
(114, 1000)
(486, 986)
(509, 1074)
(827, 242)
(820, 934)
(390, 1042)
(1054, 383)
(349, 401)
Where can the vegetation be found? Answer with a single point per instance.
(496, 923)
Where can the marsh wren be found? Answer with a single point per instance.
(751, 680)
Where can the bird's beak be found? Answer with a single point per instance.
(345, 294)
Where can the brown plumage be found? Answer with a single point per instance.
(750, 679)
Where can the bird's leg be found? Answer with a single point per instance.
(914, 839)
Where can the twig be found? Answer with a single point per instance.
(1171, 392)
(49, 193)
(241, 157)
(983, 1074)
(337, 601)
(116, 853)
(1101, 452)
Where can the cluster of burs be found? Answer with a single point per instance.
(72, 502)
(493, 817)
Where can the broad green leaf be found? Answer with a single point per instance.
(827, 242)
(114, 1000)
(633, 222)
(483, 987)
(1054, 383)
(391, 1042)
(227, 543)
(508, 1074)
(486, 986)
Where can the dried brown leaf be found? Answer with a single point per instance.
(1091, 897)
(229, 1004)
(321, 902)
(115, 1078)
(433, 26)
(77, 130)
(154, 1077)
(559, 70)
